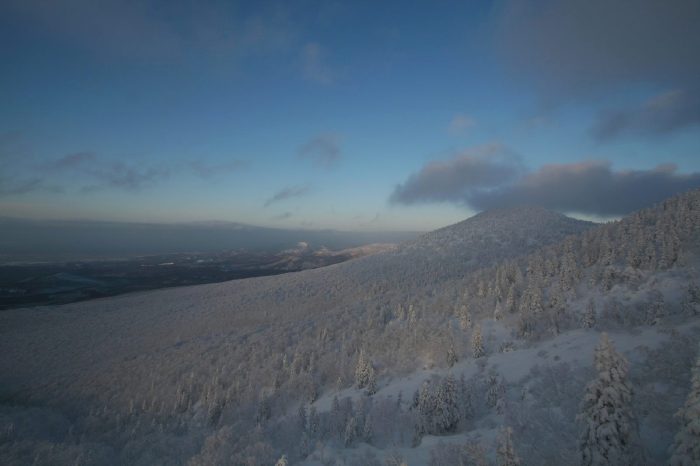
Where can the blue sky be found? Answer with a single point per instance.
(346, 115)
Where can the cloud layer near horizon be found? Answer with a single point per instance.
(486, 180)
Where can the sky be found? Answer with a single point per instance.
(357, 115)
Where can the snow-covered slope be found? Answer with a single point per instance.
(215, 374)
(501, 233)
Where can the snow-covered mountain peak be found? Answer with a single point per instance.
(497, 233)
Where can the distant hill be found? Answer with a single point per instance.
(74, 240)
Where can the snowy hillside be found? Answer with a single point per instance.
(473, 344)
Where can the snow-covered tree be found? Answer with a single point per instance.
(412, 315)
(367, 429)
(371, 387)
(477, 343)
(465, 398)
(656, 308)
(282, 461)
(451, 355)
(589, 315)
(301, 417)
(447, 406)
(350, 433)
(465, 319)
(690, 302)
(498, 311)
(495, 391)
(686, 446)
(314, 421)
(337, 420)
(506, 451)
(556, 310)
(438, 407)
(608, 427)
(364, 373)
(526, 324)
(511, 306)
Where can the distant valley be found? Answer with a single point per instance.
(45, 283)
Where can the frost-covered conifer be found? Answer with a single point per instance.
(301, 417)
(506, 451)
(364, 372)
(556, 310)
(686, 446)
(494, 392)
(465, 320)
(336, 416)
(608, 427)
(498, 311)
(481, 289)
(465, 399)
(314, 421)
(282, 461)
(588, 320)
(691, 300)
(350, 433)
(367, 429)
(526, 324)
(451, 355)
(510, 300)
(477, 344)
(371, 387)
(656, 308)
(412, 315)
(426, 408)
(446, 406)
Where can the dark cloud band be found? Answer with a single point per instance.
(587, 188)
(323, 150)
(287, 193)
(484, 167)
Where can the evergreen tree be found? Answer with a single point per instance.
(686, 446)
(477, 344)
(350, 433)
(588, 320)
(367, 429)
(446, 406)
(465, 399)
(494, 392)
(498, 311)
(364, 372)
(691, 300)
(282, 461)
(337, 421)
(412, 316)
(301, 417)
(371, 387)
(510, 300)
(556, 310)
(426, 409)
(465, 320)
(451, 355)
(656, 308)
(314, 421)
(608, 426)
(506, 451)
